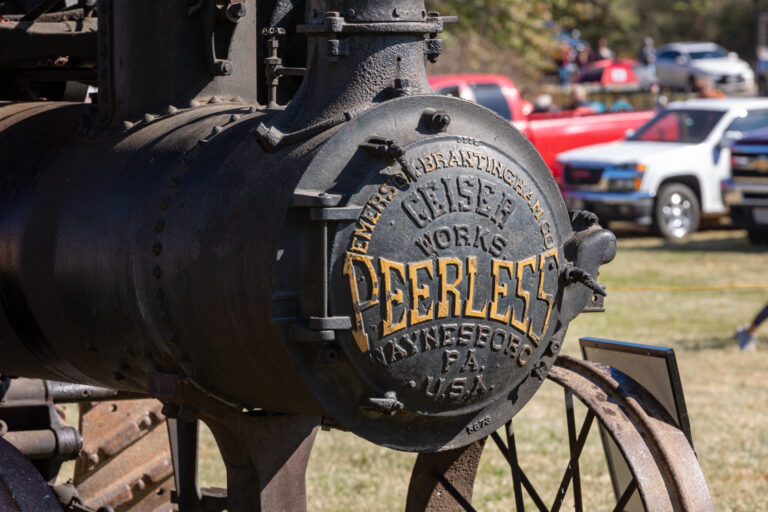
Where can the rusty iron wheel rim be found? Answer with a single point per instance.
(669, 479)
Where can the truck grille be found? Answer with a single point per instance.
(730, 79)
(750, 166)
(582, 175)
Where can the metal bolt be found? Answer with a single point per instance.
(157, 271)
(440, 120)
(159, 294)
(3, 428)
(159, 225)
(92, 459)
(351, 13)
(236, 12)
(329, 355)
(540, 371)
(554, 348)
(157, 249)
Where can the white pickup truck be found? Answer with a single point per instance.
(667, 174)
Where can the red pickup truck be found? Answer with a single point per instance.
(551, 133)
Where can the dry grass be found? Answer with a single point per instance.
(726, 390)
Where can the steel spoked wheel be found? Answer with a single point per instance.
(677, 212)
(656, 465)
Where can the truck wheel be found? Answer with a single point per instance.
(758, 236)
(677, 213)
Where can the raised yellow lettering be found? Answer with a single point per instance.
(418, 293)
(500, 290)
(543, 296)
(359, 305)
(446, 288)
(522, 324)
(469, 310)
(391, 298)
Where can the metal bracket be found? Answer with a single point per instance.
(210, 12)
(433, 48)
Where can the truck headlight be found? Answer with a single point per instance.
(622, 185)
(626, 177)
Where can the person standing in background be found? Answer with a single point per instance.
(746, 335)
(647, 55)
(603, 52)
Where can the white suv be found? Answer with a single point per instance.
(681, 65)
(668, 173)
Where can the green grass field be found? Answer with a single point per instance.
(726, 390)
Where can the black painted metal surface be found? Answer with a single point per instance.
(399, 261)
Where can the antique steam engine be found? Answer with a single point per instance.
(397, 263)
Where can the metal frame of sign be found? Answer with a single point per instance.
(631, 359)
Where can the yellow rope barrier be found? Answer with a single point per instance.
(685, 288)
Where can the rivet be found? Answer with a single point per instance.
(171, 110)
(194, 103)
(184, 357)
(218, 129)
(172, 338)
(127, 125)
(164, 316)
(214, 99)
(166, 203)
(119, 376)
(157, 271)
(93, 459)
(157, 249)
(174, 182)
(411, 384)
(128, 350)
(148, 118)
(145, 423)
(235, 117)
(159, 294)
(253, 109)
(159, 225)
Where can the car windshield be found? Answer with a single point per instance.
(714, 53)
(689, 126)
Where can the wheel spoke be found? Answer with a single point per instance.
(575, 454)
(466, 505)
(574, 462)
(523, 478)
(516, 480)
(628, 493)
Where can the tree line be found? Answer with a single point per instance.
(529, 28)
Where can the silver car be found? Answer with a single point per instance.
(681, 65)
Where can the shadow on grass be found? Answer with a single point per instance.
(701, 344)
(701, 243)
